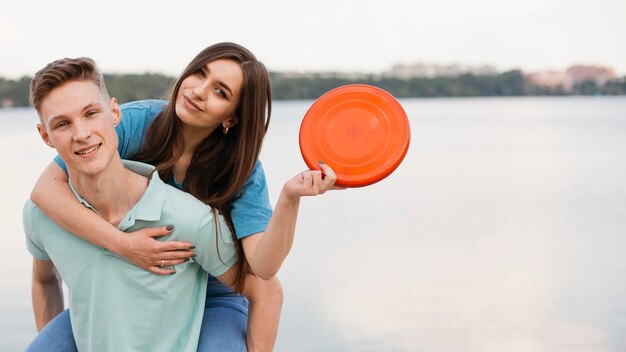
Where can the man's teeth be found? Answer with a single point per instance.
(89, 150)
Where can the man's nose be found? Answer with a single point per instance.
(82, 131)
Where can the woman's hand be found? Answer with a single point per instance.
(311, 183)
(142, 249)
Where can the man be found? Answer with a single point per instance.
(116, 306)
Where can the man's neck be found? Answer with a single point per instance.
(113, 193)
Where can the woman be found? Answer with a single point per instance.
(206, 140)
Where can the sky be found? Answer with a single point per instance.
(136, 36)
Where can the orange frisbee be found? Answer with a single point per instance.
(361, 131)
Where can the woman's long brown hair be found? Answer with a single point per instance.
(222, 163)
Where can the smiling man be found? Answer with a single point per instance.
(115, 306)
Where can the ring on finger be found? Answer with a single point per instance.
(162, 262)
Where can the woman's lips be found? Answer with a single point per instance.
(191, 103)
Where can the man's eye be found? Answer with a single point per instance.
(91, 113)
(61, 124)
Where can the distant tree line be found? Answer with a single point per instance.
(512, 83)
(14, 92)
(129, 87)
(124, 87)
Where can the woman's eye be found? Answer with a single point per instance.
(220, 92)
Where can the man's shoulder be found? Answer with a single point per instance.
(32, 213)
(36, 222)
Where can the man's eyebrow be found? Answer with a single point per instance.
(62, 116)
(54, 119)
(91, 106)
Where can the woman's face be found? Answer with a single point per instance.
(208, 98)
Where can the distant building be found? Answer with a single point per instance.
(577, 74)
(572, 76)
(429, 71)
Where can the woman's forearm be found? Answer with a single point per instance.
(54, 197)
(266, 252)
(273, 247)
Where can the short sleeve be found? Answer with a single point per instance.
(251, 211)
(137, 116)
(219, 252)
(32, 242)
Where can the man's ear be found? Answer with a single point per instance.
(44, 135)
(115, 110)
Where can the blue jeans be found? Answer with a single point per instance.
(224, 325)
(56, 336)
(225, 320)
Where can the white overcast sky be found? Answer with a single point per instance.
(323, 35)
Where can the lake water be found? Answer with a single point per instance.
(503, 230)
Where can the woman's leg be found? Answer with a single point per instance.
(225, 320)
(57, 336)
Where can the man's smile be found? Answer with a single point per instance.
(88, 150)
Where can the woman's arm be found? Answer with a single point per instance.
(266, 252)
(269, 249)
(53, 195)
(266, 296)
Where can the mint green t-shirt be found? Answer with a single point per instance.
(115, 305)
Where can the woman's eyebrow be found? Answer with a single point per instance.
(226, 87)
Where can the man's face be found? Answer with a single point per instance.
(79, 122)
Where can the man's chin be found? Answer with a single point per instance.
(88, 169)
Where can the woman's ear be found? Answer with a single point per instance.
(231, 122)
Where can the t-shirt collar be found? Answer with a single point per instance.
(149, 207)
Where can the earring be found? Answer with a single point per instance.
(225, 130)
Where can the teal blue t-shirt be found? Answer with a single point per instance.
(251, 210)
(117, 306)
